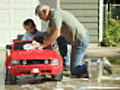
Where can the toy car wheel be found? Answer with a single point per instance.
(9, 78)
(59, 76)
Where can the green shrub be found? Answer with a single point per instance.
(114, 60)
(111, 32)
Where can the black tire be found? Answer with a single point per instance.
(59, 76)
(9, 78)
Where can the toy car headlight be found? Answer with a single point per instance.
(46, 61)
(14, 62)
(55, 61)
(24, 62)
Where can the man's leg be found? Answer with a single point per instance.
(64, 50)
(76, 66)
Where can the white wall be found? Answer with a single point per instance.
(12, 15)
(14, 12)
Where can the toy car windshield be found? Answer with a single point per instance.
(19, 45)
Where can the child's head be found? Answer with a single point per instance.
(29, 26)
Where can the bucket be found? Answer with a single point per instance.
(94, 69)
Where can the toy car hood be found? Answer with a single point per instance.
(34, 54)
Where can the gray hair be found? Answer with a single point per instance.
(41, 7)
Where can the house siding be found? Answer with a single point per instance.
(87, 13)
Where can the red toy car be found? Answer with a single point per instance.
(33, 62)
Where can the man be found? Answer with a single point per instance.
(30, 28)
(73, 32)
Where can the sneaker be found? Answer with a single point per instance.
(107, 65)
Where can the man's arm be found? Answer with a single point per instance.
(44, 34)
(53, 36)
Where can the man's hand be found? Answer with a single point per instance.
(35, 44)
(53, 36)
(32, 46)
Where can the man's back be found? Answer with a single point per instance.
(72, 29)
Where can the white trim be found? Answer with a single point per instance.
(100, 20)
(58, 3)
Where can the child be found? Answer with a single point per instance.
(31, 30)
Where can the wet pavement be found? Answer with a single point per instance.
(36, 83)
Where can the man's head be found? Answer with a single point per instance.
(29, 26)
(43, 12)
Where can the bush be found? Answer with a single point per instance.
(111, 33)
(114, 60)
